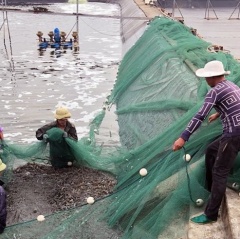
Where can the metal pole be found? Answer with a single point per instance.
(173, 8)
(77, 23)
(207, 10)
(238, 6)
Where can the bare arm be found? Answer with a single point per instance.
(213, 117)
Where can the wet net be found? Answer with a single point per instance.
(156, 94)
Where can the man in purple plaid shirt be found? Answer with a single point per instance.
(224, 97)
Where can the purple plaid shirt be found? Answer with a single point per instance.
(225, 99)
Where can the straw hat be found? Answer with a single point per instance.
(2, 165)
(212, 68)
(62, 113)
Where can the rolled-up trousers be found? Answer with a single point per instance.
(219, 160)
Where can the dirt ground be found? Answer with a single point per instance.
(38, 189)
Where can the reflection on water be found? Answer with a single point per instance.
(57, 52)
(34, 82)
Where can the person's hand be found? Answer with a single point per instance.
(213, 117)
(1, 135)
(45, 138)
(178, 144)
(65, 134)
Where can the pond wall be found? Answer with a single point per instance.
(132, 23)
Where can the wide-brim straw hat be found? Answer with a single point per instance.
(2, 165)
(62, 113)
(212, 68)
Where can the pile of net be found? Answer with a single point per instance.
(156, 94)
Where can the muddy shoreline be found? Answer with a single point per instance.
(40, 189)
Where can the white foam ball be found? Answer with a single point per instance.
(187, 157)
(40, 218)
(199, 202)
(89, 140)
(143, 172)
(69, 163)
(90, 200)
(235, 186)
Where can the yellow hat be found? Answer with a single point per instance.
(2, 165)
(62, 113)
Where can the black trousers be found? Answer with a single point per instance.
(219, 160)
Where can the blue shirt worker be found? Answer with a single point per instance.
(224, 97)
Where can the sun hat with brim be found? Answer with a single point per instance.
(2, 165)
(62, 113)
(212, 68)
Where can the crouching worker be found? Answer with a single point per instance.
(3, 206)
(62, 115)
(55, 133)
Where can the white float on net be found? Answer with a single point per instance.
(143, 172)
(90, 200)
(40, 218)
(187, 157)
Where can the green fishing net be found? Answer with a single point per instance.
(156, 94)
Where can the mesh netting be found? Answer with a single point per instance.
(156, 94)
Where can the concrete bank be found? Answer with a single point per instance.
(133, 27)
(215, 25)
